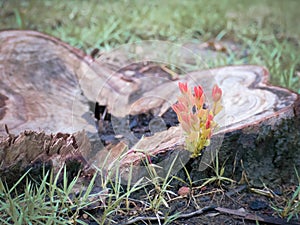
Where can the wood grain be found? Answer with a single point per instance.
(39, 88)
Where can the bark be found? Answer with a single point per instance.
(47, 119)
(38, 152)
(259, 135)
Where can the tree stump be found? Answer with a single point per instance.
(259, 134)
(47, 89)
(47, 119)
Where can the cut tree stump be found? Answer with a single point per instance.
(259, 134)
(48, 119)
(47, 89)
(39, 84)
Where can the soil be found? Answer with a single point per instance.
(240, 197)
(138, 124)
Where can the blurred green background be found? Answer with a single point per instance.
(267, 30)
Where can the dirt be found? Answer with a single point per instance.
(221, 203)
(225, 204)
(138, 124)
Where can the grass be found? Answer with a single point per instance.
(44, 202)
(290, 208)
(53, 202)
(267, 30)
(218, 176)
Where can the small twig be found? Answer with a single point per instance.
(6, 129)
(180, 216)
(244, 215)
(10, 136)
(174, 76)
(253, 217)
(265, 192)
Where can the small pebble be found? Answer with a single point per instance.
(184, 191)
